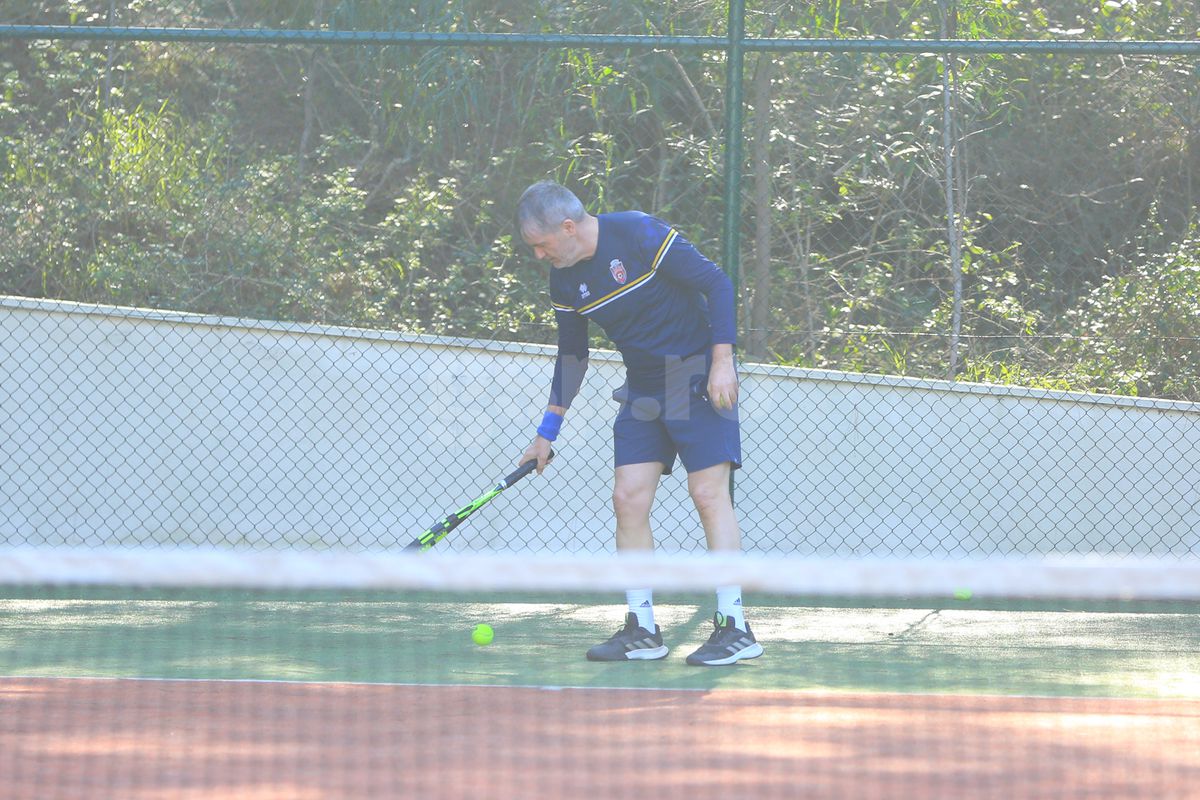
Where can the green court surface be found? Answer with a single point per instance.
(917, 646)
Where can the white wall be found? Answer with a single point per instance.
(904, 466)
(124, 426)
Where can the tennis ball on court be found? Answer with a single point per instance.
(962, 594)
(483, 634)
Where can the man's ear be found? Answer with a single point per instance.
(568, 227)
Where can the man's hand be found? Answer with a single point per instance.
(539, 448)
(722, 378)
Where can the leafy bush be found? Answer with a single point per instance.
(1136, 332)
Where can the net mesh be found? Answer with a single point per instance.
(132, 673)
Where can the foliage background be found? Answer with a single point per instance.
(373, 186)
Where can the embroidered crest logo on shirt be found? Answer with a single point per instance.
(583, 291)
(618, 270)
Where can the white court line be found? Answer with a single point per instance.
(556, 688)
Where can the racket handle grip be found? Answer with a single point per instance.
(526, 468)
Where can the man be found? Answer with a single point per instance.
(670, 312)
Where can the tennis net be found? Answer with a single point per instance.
(205, 673)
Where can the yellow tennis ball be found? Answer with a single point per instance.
(483, 634)
(962, 594)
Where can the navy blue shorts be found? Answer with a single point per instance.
(658, 427)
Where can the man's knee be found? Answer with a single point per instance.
(710, 492)
(632, 498)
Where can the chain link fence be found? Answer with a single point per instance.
(268, 295)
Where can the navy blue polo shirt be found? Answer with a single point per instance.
(651, 291)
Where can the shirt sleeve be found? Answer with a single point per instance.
(572, 360)
(680, 261)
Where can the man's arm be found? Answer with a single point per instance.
(570, 366)
(687, 265)
(722, 377)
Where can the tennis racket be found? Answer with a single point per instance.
(439, 531)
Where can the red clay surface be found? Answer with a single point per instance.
(93, 738)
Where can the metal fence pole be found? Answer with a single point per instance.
(731, 238)
(950, 142)
(735, 55)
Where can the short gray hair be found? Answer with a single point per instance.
(544, 205)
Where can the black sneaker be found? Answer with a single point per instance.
(727, 645)
(631, 643)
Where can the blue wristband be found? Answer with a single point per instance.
(551, 424)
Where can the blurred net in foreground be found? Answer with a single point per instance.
(215, 674)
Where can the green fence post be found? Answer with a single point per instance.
(731, 239)
(735, 56)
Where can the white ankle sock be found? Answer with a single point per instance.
(641, 603)
(729, 605)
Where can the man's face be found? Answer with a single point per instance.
(558, 245)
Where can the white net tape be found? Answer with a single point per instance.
(1042, 577)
